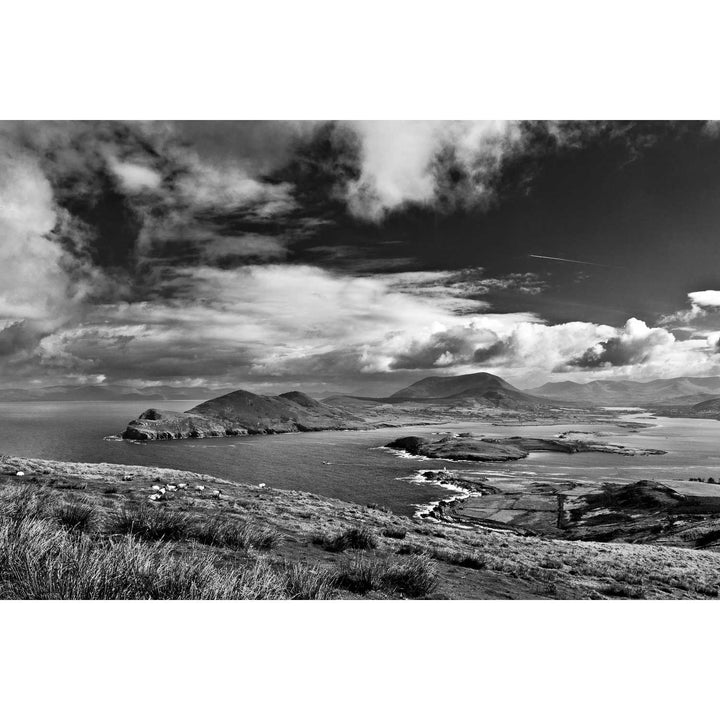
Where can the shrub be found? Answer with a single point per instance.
(79, 517)
(468, 560)
(414, 577)
(38, 560)
(708, 538)
(360, 574)
(408, 549)
(709, 590)
(150, 523)
(395, 533)
(304, 582)
(25, 502)
(221, 532)
(618, 589)
(551, 563)
(353, 539)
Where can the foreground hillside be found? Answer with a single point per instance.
(72, 530)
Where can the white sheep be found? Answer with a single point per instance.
(200, 487)
(261, 485)
(161, 491)
(155, 487)
(182, 486)
(20, 473)
(171, 488)
(155, 497)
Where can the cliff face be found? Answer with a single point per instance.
(242, 413)
(168, 425)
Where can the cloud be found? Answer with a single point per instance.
(461, 290)
(226, 187)
(458, 164)
(136, 185)
(262, 322)
(36, 281)
(634, 344)
(19, 336)
(259, 247)
(700, 319)
(162, 251)
(270, 320)
(424, 161)
(705, 298)
(135, 178)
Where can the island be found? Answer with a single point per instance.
(243, 413)
(465, 446)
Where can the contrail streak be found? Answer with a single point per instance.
(576, 262)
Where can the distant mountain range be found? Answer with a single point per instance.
(109, 393)
(245, 413)
(674, 391)
(481, 388)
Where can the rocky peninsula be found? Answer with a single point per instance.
(243, 413)
(466, 446)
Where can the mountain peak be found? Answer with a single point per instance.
(483, 386)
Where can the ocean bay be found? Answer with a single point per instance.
(349, 465)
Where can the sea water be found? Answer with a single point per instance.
(348, 465)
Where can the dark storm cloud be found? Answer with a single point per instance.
(19, 336)
(610, 352)
(443, 349)
(635, 344)
(133, 183)
(492, 354)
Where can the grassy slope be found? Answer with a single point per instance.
(213, 546)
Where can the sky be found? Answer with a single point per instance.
(357, 256)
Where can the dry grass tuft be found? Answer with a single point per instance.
(462, 559)
(40, 561)
(413, 577)
(221, 532)
(397, 533)
(77, 517)
(150, 523)
(354, 539)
